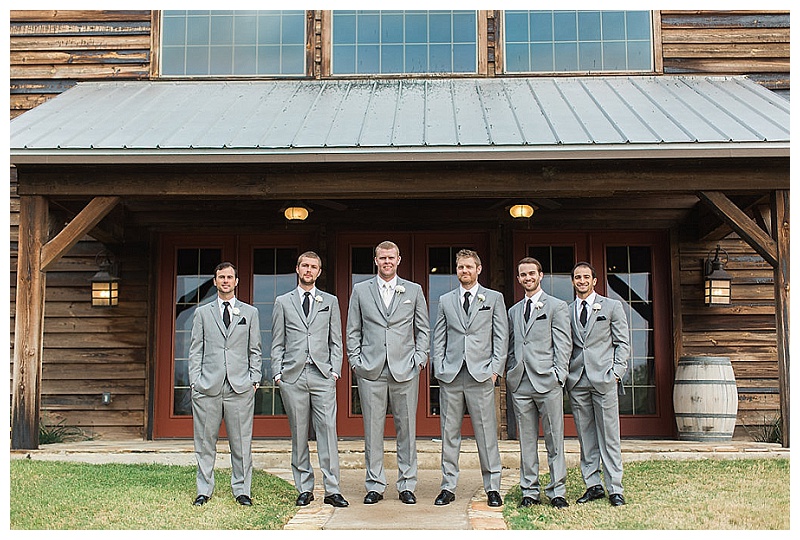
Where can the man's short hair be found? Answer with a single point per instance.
(223, 266)
(467, 253)
(309, 255)
(587, 265)
(530, 260)
(387, 244)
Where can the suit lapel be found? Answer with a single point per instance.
(374, 290)
(215, 312)
(592, 313)
(312, 312)
(578, 330)
(527, 325)
(298, 306)
(395, 298)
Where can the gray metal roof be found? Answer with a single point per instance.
(395, 119)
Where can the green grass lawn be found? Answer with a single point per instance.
(748, 494)
(54, 495)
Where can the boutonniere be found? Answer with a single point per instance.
(596, 307)
(236, 311)
(539, 305)
(399, 289)
(482, 298)
(318, 298)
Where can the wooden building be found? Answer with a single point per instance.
(642, 169)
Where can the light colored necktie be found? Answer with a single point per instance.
(386, 293)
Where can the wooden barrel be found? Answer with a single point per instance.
(705, 398)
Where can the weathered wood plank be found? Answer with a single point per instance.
(89, 325)
(26, 102)
(94, 356)
(91, 402)
(725, 35)
(137, 56)
(74, 15)
(724, 19)
(81, 71)
(115, 340)
(72, 43)
(55, 373)
(677, 66)
(728, 50)
(87, 28)
(98, 417)
(94, 386)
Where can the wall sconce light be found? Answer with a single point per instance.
(105, 283)
(519, 211)
(717, 280)
(296, 212)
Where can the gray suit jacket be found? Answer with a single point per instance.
(541, 347)
(480, 339)
(295, 338)
(399, 335)
(217, 352)
(602, 348)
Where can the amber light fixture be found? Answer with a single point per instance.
(519, 211)
(105, 283)
(717, 280)
(295, 212)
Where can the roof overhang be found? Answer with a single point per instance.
(444, 119)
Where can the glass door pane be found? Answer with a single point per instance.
(273, 271)
(629, 279)
(193, 286)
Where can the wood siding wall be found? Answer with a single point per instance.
(743, 331)
(755, 43)
(50, 51)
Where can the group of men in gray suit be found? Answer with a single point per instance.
(541, 343)
(583, 348)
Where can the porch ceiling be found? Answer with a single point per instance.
(435, 119)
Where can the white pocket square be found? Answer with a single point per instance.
(407, 302)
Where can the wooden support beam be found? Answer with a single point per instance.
(714, 230)
(780, 228)
(745, 227)
(29, 324)
(763, 216)
(90, 216)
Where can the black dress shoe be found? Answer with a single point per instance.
(336, 500)
(616, 499)
(527, 502)
(373, 497)
(592, 493)
(201, 500)
(408, 497)
(494, 498)
(244, 500)
(304, 498)
(559, 502)
(445, 497)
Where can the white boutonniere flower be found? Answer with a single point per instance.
(539, 305)
(399, 289)
(235, 311)
(596, 307)
(318, 298)
(482, 298)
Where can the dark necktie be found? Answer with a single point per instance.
(584, 313)
(306, 302)
(527, 309)
(466, 302)
(226, 315)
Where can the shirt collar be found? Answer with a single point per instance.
(536, 296)
(473, 291)
(232, 302)
(301, 291)
(392, 283)
(589, 299)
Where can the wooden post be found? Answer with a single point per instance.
(29, 325)
(780, 230)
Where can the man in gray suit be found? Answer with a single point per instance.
(388, 339)
(540, 344)
(306, 363)
(470, 344)
(224, 373)
(601, 347)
